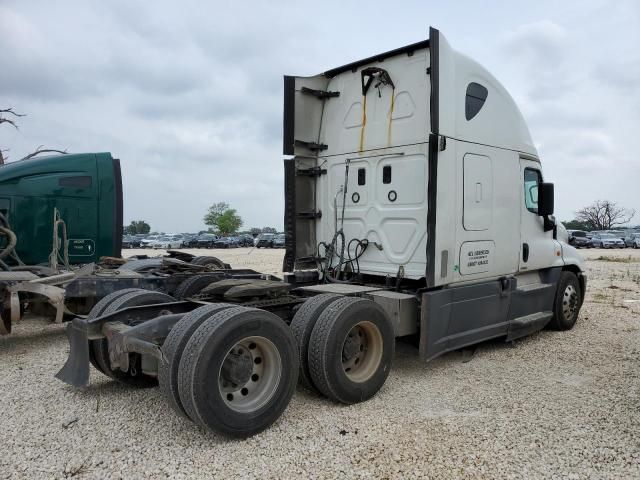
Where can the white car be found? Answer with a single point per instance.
(146, 242)
(633, 240)
(166, 243)
(606, 240)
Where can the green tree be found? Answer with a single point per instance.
(214, 212)
(229, 222)
(269, 230)
(137, 226)
(225, 220)
(255, 231)
(576, 225)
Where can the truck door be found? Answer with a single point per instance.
(537, 248)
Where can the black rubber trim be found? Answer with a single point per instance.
(410, 49)
(432, 192)
(289, 215)
(288, 120)
(117, 227)
(434, 47)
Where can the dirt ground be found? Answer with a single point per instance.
(553, 405)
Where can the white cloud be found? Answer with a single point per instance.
(189, 94)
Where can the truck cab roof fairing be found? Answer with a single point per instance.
(498, 123)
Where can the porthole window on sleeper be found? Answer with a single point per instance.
(476, 96)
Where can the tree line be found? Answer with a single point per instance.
(220, 218)
(600, 215)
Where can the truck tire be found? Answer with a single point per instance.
(302, 325)
(101, 347)
(206, 260)
(142, 265)
(195, 284)
(351, 350)
(238, 371)
(567, 303)
(97, 311)
(172, 352)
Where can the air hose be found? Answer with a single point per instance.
(12, 240)
(55, 252)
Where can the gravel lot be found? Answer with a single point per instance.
(561, 405)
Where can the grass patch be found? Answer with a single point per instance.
(603, 258)
(599, 297)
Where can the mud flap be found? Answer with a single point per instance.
(75, 371)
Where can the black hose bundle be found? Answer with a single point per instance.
(328, 271)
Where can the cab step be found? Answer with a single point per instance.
(522, 326)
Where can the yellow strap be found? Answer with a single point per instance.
(393, 101)
(364, 121)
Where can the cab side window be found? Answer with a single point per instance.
(532, 179)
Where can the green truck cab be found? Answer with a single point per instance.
(86, 189)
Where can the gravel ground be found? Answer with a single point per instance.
(554, 405)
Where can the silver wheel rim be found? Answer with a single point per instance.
(362, 352)
(569, 302)
(250, 374)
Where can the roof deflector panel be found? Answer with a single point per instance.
(409, 49)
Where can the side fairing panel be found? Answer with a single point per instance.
(302, 114)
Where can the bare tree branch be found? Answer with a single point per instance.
(40, 150)
(3, 119)
(603, 215)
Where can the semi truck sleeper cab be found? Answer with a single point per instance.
(415, 204)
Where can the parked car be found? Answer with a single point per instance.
(190, 241)
(618, 233)
(279, 241)
(129, 241)
(245, 240)
(606, 240)
(265, 240)
(166, 242)
(632, 239)
(578, 238)
(145, 242)
(226, 242)
(206, 240)
(186, 240)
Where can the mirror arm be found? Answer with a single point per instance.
(550, 224)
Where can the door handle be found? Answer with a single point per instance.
(525, 252)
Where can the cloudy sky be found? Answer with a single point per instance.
(188, 94)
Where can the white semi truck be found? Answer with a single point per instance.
(415, 205)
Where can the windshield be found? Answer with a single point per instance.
(606, 235)
(579, 234)
(266, 236)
